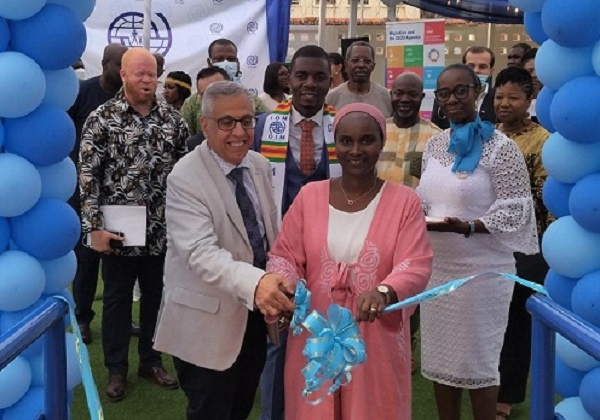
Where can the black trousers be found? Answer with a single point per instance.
(85, 283)
(515, 357)
(119, 275)
(228, 394)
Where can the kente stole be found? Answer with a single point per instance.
(275, 138)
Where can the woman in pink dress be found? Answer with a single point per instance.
(361, 243)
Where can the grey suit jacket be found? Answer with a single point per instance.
(209, 277)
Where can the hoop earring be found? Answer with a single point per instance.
(439, 114)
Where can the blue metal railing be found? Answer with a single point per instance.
(548, 318)
(47, 318)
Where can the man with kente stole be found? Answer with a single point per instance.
(297, 138)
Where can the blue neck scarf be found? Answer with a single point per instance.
(466, 140)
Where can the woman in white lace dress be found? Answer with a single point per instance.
(475, 190)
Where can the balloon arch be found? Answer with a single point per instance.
(40, 39)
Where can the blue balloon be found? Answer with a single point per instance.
(10, 319)
(4, 234)
(73, 368)
(20, 185)
(528, 5)
(543, 104)
(596, 58)
(567, 379)
(585, 299)
(38, 376)
(588, 392)
(533, 26)
(573, 356)
(567, 161)
(15, 380)
(22, 280)
(575, 110)
(44, 137)
(571, 409)
(62, 87)
(4, 35)
(574, 62)
(55, 38)
(556, 197)
(59, 272)
(28, 407)
(569, 249)
(560, 288)
(22, 84)
(572, 26)
(48, 231)
(82, 8)
(59, 180)
(19, 9)
(584, 202)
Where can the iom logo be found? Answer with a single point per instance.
(127, 29)
(252, 60)
(252, 27)
(216, 28)
(277, 127)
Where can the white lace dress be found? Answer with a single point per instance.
(462, 333)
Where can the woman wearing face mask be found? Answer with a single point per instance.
(178, 87)
(475, 189)
(514, 92)
(359, 242)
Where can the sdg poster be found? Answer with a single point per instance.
(418, 47)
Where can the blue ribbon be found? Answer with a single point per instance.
(89, 386)
(302, 301)
(336, 348)
(453, 285)
(332, 352)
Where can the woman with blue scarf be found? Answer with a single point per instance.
(477, 198)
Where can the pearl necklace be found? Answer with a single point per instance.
(351, 202)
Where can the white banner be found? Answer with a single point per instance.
(181, 32)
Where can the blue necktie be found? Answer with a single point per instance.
(249, 217)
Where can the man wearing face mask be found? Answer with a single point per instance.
(481, 60)
(222, 53)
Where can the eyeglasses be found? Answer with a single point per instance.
(459, 92)
(229, 123)
(367, 61)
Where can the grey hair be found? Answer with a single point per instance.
(360, 44)
(224, 88)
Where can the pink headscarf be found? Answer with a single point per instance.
(361, 107)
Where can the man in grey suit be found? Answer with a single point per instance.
(221, 218)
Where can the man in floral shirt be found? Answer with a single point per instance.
(128, 147)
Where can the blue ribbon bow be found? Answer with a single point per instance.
(302, 301)
(334, 350)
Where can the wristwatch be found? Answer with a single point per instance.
(385, 291)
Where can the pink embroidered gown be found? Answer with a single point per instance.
(396, 252)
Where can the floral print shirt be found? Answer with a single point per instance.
(125, 159)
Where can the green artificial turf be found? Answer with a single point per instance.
(146, 401)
